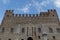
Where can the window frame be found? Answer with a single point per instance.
(12, 30)
(23, 30)
(58, 30)
(50, 30)
(39, 29)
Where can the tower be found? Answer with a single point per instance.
(7, 17)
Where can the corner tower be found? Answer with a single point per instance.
(9, 14)
(53, 14)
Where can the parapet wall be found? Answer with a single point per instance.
(26, 15)
(43, 17)
(9, 11)
(50, 12)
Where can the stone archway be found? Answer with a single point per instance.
(30, 38)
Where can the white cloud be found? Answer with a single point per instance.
(44, 3)
(6, 1)
(24, 9)
(39, 5)
(57, 3)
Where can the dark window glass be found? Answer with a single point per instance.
(3, 29)
(58, 30)
(23, 30)
(50, 30)
(22, 39)
(39, 30)
(12, 29)
(53, 37)
(9, 39)
(39, 37)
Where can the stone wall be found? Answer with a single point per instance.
(30, 23)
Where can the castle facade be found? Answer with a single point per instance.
(43, 26)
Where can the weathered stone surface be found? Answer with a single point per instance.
(30, 23)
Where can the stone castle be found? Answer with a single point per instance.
(43, 26)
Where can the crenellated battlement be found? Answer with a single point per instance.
(49, 13)
(9, 11)
(26, 15)
(43, 26)
(50, 10)
(42, 17)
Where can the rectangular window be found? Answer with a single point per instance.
(23, 30)
(39, 30)
(39, 37)
(12, 29)
(50, 30)
(58, 30)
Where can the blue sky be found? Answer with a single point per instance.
(28, 6)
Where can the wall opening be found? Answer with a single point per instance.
(30, 38)
(9, 39)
